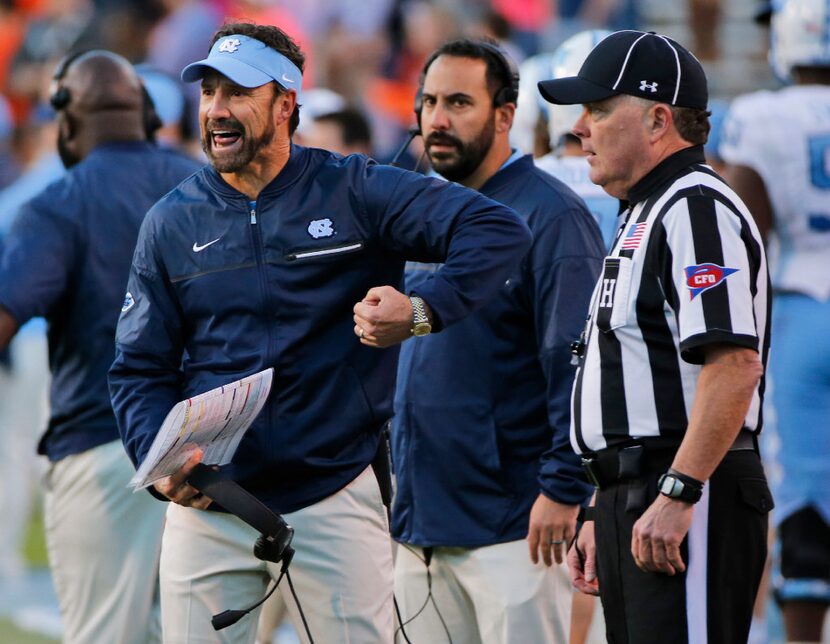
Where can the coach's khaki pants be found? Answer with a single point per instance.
(104, 542)
(342, 571)
(489, 595)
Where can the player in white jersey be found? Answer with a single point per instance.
(528, 133)
(777, 145)
(568, 164)
(567, 161)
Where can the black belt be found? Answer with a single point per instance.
(629, 460)
(746, 439)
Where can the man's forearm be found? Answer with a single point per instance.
(143, 389)
(725, 388)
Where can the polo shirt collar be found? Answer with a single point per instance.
(665, 171)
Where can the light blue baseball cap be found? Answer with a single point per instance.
(248, 62)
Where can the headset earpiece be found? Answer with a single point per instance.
(508, 93)
(60, 96)
(59, 99)
(274, 548)
(419, 101)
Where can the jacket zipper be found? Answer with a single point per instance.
(263, 285)
(258, 253)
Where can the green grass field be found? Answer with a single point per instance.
(10, 634)
(34, 545)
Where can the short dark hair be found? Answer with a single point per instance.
(692, 123)
(276, 39)
(497, 74)
(353, 125)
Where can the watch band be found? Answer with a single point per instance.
(674, 487)
(420, 320)
(688, 480)
(419, 311)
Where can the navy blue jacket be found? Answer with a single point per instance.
(482, 411)
(66, 258)
(276, 287)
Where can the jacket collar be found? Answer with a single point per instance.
(297, 162)
(507, 174)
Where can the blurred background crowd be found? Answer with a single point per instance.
(362, 54)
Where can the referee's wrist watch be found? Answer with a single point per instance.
(420, 320)
(674, 487)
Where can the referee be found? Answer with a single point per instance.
(667, 402)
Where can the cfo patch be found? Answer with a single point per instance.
(702, 277)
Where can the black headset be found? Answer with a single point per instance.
(273, 544)
(60, 97)
(508, 93)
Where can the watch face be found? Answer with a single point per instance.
(422, 328)
(671, 487)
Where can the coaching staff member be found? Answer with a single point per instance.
(257, 261)
(481, 448)
(67, 258)
(667, 402)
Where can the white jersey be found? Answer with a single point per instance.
(785, 137)
(573, 172)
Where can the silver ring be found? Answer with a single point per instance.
(556, 542)
(360, 335)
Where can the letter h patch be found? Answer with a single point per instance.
(607, 292)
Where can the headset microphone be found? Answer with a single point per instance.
(274, 543)
(229, 617)
(412, 133)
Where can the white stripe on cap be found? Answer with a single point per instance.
(625, 62)
(676, 60)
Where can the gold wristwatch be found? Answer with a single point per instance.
(420, 321)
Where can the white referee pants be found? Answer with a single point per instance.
(342, 571)
(104, 542)
(487, 595)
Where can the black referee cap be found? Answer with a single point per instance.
(637, 63)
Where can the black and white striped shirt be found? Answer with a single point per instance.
(687, 269)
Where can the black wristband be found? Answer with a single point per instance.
(674, 487)
(585, 514)
(688, 480)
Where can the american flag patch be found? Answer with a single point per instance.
(635, 235)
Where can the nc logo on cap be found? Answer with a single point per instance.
(230, 45)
